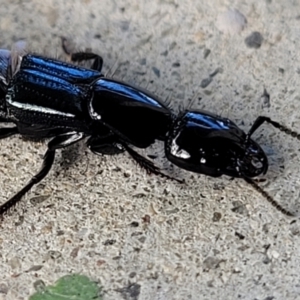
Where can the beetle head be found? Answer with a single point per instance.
(254, 162)
(208, 144)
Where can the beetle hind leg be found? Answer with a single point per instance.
(60, 141)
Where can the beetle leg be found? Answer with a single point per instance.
(8, 131)
(81, 56)
(106, 145)
(110, 145)
(60, 141)
(147, 164)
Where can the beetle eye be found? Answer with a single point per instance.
(256, 163)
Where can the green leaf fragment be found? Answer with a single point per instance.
(70, 287)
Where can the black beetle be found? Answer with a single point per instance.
(48, 98)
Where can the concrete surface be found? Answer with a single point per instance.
(140, 236)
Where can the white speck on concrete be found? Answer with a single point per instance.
(231, 22)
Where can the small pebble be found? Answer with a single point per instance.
(275, 254)
(206, 52)
(211, 263)
(217, 217)
(205, 82)
(231, 22)
(265, 99)
(254, 40)
(156, 71)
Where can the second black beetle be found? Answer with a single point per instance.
(47, 98)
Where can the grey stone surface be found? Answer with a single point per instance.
(209, 239)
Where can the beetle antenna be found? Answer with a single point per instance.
(283, 128)
(257, 123)
(262, 119)
(269, 198)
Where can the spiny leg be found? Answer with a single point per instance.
(105, 145)
(147, 164)
(269, 198)
(109, 144)
(57, 142)
(83, 56)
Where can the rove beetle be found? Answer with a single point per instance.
(48, 98)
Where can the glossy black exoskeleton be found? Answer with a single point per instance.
(47, 98)
(218, 147)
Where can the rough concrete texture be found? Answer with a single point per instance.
(141, 236)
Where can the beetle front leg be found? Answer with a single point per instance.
(60, 141)
(106, 145)
(110, 145)
(148, 165)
